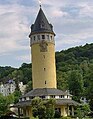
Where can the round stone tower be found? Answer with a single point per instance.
(43, 53)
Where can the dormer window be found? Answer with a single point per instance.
(42, 24)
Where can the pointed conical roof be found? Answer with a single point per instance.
(41, 24)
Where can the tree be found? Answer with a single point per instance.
(3, 105)
(17, 76)
(17, 94)
(82, 111)
(62, 80)
(75, 84)
(10, 98)
(89, 80)
(29, 86)
(43, 109)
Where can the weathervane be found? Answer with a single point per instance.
(40, 2)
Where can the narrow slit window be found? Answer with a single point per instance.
(51, 37)
(44, 56)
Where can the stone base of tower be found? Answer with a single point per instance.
(64, 103)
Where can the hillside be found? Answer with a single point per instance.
(74, 71)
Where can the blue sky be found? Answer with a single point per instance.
(72, 21)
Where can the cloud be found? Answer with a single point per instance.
(72, 21)
(86, 10)
(13, 29)
(24, 58)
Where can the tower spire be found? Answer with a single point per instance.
(40, 3)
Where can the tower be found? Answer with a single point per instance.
(44, 71)
(43, 53)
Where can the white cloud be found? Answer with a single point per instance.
(86, 10)
(58, 13)
(24, 58)
(72, 21)
(13, 29)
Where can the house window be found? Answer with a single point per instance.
(43, 36)
(45, 82)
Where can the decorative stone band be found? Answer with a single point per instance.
(37, 38)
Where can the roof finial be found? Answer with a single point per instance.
(40, 3)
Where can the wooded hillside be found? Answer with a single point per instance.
(74, 71)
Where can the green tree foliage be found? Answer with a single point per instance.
(82, 111)
(27, 72)
(29, 86)
(78, 60)
(75, 84)
(3, 105)
(10, 98)
(17, 77)
(16, 94)
(43, 109)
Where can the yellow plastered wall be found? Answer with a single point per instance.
(43, 66)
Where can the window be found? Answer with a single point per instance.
(52, 96)
(45, 82)
(61, 96)
(44, 56)
(38, 37)
(44, 69)
(34, 37)
(42, 24)
(51, 37)
(43, 36)
(42, 97)
(48, 37)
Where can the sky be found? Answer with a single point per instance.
(72, 21)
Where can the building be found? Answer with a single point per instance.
(10, 86)
(44, 70)
(7, 88)
(22, 87)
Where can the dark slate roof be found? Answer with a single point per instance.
(41, 24)
(66, 102)
(22, 104)
(45, 92)
(58, 102)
